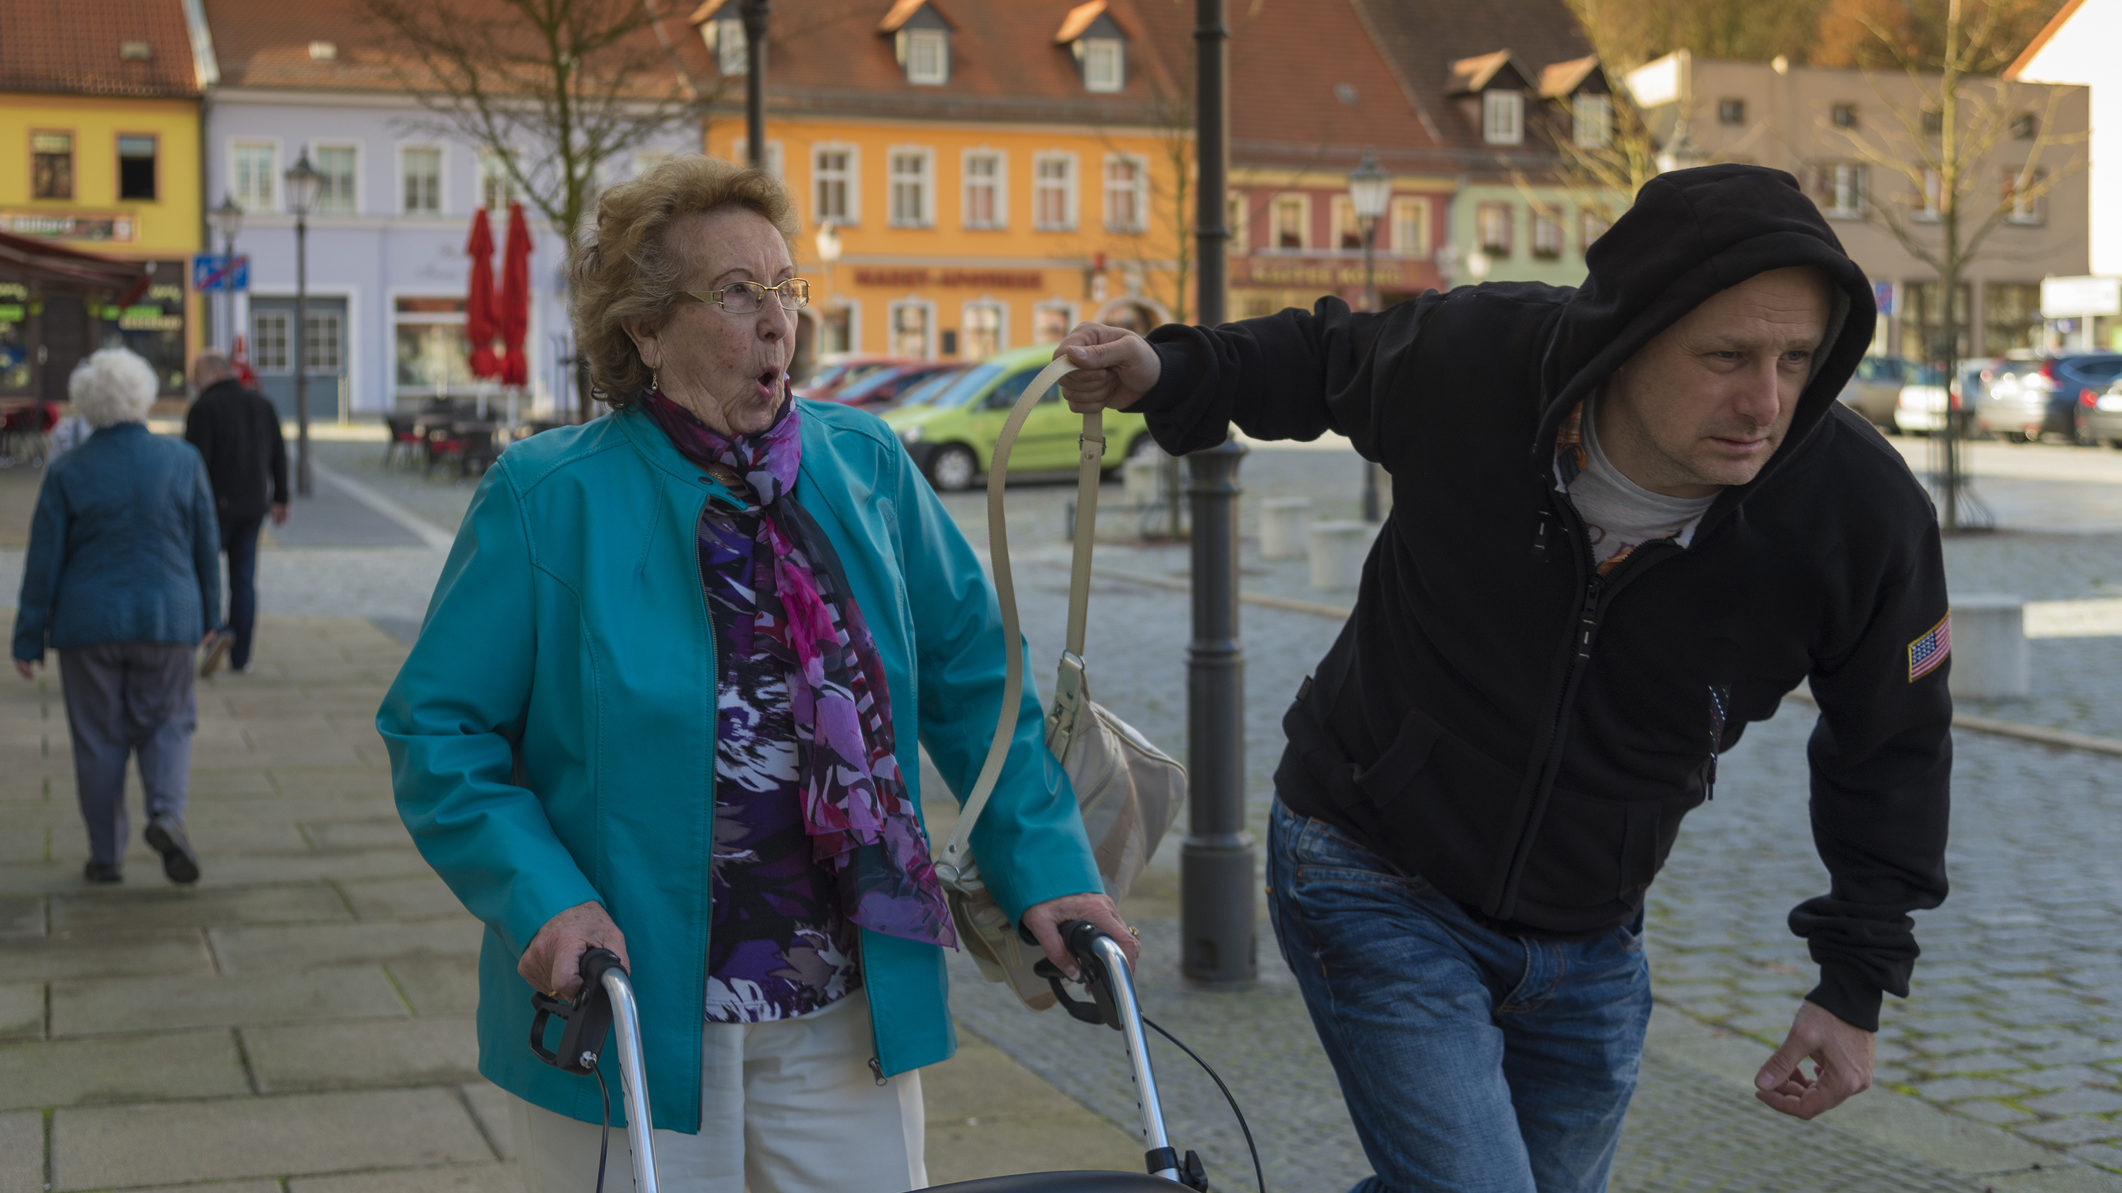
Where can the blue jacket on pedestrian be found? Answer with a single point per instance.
(123, 547)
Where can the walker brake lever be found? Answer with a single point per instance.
(1079, 937)
(585, 1022)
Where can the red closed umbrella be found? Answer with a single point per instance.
(479, 321)
(514, 307)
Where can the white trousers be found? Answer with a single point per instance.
(785, 1107)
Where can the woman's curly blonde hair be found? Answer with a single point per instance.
(627, 271)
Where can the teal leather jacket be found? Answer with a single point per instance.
(551, 733)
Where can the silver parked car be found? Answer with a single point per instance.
(1874, 387)
(2103, 423)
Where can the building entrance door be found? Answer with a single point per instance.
(61, 342)
(272, 348)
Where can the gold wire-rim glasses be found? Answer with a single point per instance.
(792, 295)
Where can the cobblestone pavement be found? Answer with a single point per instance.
(2015, 1027)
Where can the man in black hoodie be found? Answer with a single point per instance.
(1628, 518)
(238, 432)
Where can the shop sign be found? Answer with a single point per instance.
(64, 225)
(1325, 274)
(12, 312)
(985, 279)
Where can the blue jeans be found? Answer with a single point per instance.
(239, 537)
(1472, 1061)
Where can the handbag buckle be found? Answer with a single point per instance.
(1067, 716)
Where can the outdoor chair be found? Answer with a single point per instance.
(469, 446)
(404, 438)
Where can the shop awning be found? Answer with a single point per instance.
(26, 259)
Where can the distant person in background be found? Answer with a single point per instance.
(237, 432)
(122, 578)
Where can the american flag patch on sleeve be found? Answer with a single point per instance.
(1925, 653)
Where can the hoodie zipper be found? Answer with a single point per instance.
(1599, 592)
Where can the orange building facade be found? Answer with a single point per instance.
(971, 177)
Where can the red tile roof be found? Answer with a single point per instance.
(76, 47)
(339, 46)
(1309, 86)
(828, 57)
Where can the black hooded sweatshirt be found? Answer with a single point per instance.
(1524, 734)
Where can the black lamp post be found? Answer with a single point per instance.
(1369, 188)
(228, 220)
(754, 13)
(303, 182)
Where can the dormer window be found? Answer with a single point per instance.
(1591, 120)
(1104, 64)
(731, 53)
(926, 55)
(1098, 46)
(1503, 117)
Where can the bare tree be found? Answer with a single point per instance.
(552, 90)
(1956, 141)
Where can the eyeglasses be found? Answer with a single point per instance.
(742, 298)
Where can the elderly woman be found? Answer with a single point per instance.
(122, 579)
(667, 701)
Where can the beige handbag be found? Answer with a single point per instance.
(1128, 790)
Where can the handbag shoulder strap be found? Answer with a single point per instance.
(1068, 697)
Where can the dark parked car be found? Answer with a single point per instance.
(2051, 394)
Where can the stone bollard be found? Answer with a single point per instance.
(1282, 525)
(1988, 646)
(1337, 551)
(1142, 481)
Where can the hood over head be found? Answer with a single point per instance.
(1691, 234)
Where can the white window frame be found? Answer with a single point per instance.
(850, 178)
(1140, 194)
(491, 166)
(740, 152)
(252, 202)
(1067, 186)
(1068, 316)
(1410, 226)
(985, 302)
(1845, 190)
(998, 182)
(936, 71)
(312, 345)
(1341, 217)
(1104, 64)
(285, 367)
(441, 153)
(1496, 246)
(891, 324)
(731, 57)
(316, 157)
(1591, 119)
(853, 307)
(1302, 205)
(2025, 212)
(924, 184)
(1503, 116)
(1933, 189)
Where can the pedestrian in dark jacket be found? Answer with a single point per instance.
(1627, 519)
(237, 432)
(122, 579)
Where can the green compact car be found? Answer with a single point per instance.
(952, 433)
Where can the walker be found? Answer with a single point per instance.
(607, 1000)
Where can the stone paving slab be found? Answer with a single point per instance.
(21, 1010)
(162, 908)
(325, 994)
(164, 951)
(490, 1109)
(22, 1152)
(396, 1052)
(455, 1178)
(358, 834)
(22, 916)
(402, 899)
(23, 844)
(437, 985)
(282, 949)
(291, 1135)
(132, 1068)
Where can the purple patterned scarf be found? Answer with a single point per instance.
(862, 827)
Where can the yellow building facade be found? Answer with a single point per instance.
(941, 241)
(114, 176)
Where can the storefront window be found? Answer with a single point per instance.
(431, 351)
(153, 325)
(15, 370)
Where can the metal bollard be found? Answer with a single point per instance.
(1142, 481)
(1217, 942)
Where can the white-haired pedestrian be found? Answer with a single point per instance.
(122, 579)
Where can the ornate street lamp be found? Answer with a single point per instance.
(1369, 189)
(303, 182)
(228, 220)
